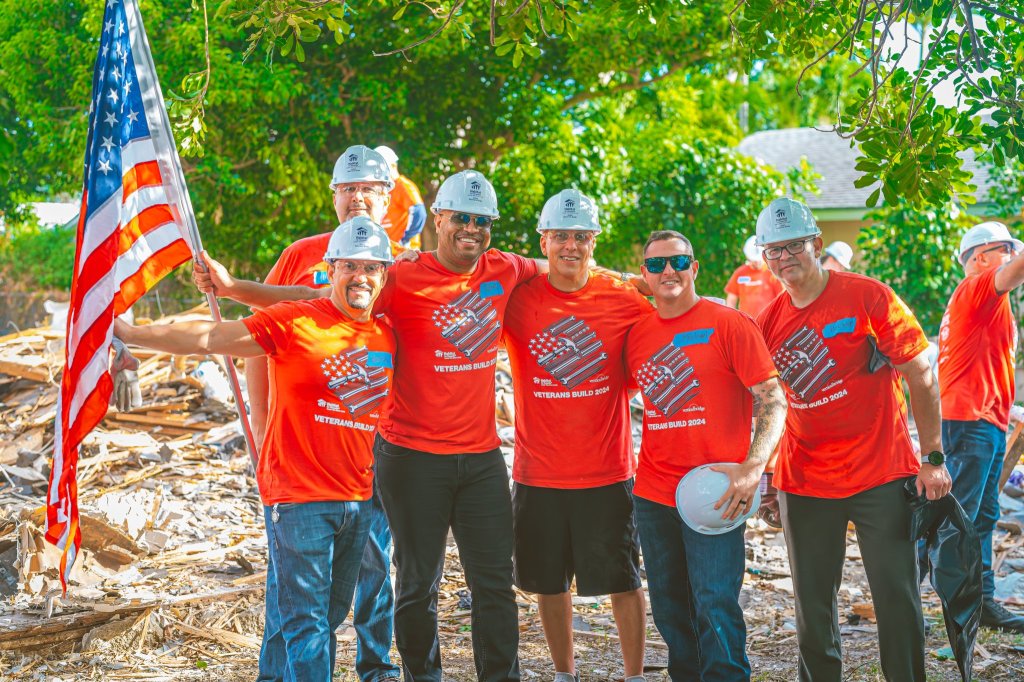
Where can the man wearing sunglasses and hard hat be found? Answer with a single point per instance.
(699, 365)
(331, 363)
(977, 343)
(841, 342)
(572, 502)
(439, 466)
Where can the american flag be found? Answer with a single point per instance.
(131, 232)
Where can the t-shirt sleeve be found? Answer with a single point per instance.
(282, 270)
(383, 303)
(748, 353)
(525, 268)
(981, 291)
(271, 327)
(897, 331)
(732, 286)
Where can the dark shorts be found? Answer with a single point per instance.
(590, 533)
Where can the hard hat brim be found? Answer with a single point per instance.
(697, 525)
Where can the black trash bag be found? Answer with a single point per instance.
(954, 560)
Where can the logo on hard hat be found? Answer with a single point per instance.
(568, 350)
(475, 190)
(352, 163)
(569, 209)
(362, 233)
(358, 379)
(781, 219)
(667, 380)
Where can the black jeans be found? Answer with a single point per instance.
(424, 495)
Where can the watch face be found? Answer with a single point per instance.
(936, 458)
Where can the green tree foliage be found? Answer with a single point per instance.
(40, 258)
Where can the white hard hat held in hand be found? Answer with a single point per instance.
(785, 220)
(696, 495)
(990, 232)
(570, 209)
(467, 192)
(359, 239)
(359, 163)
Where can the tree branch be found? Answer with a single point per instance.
(636, 84)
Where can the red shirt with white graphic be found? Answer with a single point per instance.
(300, 263)
(694, 372)
(977, 342)
(332, 374)
(846, 428)
(448, 326)
(572, 411)
(754, 288)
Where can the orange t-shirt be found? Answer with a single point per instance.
(572, 411)
(977, 342)
(302, 263)
(332, 374)
(448, 326)
(754, 287)
(846, 428)
(404, 196)
(694, 372)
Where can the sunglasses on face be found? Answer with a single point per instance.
(581, 238)
(481, 222)
(1002, 248)
(795, 248)
(656, 264)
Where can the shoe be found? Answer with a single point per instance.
(994, 615)
(567, 677)
(927, 626)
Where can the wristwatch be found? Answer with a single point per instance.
(936, 458)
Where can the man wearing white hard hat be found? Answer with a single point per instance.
(406, 214)
(841, 343)
(699, 365)
(572, 503)
(752, 286)
(837, 257)
(977, 343)
(360, 186)
(331, 364)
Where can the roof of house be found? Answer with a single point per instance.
(833, 158)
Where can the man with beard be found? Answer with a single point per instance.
(316, 464)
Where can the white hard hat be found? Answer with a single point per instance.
(841, 251)
(467, 191)
(989, 232)
(570, 209)
(359, 163)
(388, 153)
(785, 220)
(751, 250)
(696, 495)
(359, 238)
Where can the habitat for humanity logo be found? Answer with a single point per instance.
(568, 350)
(469, 322)
(803, 363)
(667, 380)
(359, 378)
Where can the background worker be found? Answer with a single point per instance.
(698, 364)
(841, 342)
(331, 365)
(573, 506)
(359, 186)
(406, 215)
(837, 257)
(977, 343)
(752, 286)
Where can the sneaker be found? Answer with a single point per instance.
(994, 615)
(567, 677)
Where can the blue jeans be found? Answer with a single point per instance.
(372, 617)
(316, 549)
(974, 457)
(694, 583)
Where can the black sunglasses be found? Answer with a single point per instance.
(481, 221)
(679, 263)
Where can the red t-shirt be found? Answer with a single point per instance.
(694, 372)
(332, 375)
(448, 326)
(302, 263)
(977, 342)
(754, 287)
(846, 428)
(572, 411)
(404, 196)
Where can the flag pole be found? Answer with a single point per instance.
(170, 167)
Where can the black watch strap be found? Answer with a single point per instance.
(936, 458)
